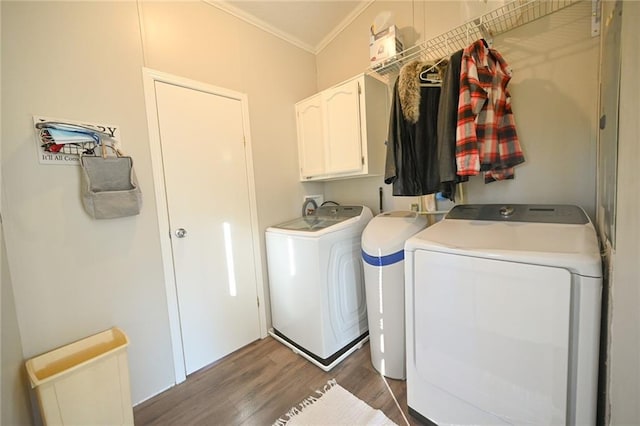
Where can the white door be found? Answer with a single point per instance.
(208, 203)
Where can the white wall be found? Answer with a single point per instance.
(625, 293)
(14, 391)
(14, 398)
(73, 276)
(554, 92)
(554, 89)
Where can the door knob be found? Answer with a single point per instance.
(181, 232)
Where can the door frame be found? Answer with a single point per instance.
(150, 76)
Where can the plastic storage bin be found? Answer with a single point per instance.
(383, 255)
(85, 382)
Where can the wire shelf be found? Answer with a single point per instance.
(493, 23)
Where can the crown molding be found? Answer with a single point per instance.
(247, 17)
(342, 25)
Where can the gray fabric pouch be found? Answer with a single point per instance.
(109, 187)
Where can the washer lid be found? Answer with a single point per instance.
(566, 245)
(311, 223)
(325, 220)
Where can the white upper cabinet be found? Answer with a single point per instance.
(343, 138)
(342, 130)
(310, 129)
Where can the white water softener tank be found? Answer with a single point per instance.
(383, 258)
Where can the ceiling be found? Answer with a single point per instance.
(308, 24)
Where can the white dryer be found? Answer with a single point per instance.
(318, 305)
(503, 317)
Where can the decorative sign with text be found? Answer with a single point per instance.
(63, 141)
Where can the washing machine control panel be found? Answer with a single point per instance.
(537, 213)
(339, 212)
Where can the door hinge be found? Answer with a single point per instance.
(359, 88)
(596, 12)
(258, 301)
(244, 140)
(362, 160)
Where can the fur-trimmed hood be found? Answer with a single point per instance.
(409, 90)
(409, 87)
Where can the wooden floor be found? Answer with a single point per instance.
(260, 383)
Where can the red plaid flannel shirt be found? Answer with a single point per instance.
(486, 138)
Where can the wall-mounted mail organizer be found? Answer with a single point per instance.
(68, 138)
(498, 21)
(109, 187)
(60, 141)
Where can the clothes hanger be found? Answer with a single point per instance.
(429, 81)
(434, 82)
(486, 36)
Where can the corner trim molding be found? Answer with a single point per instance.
(249, 18)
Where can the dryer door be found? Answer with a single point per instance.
(493, 335)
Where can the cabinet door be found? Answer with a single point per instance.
(310, 138)
(343, 128)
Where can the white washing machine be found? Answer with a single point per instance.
(318, 304)
(503, 317)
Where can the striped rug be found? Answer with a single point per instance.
(333, 405)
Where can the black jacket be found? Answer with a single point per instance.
(412, 149)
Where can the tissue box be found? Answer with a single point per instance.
(384, 46)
